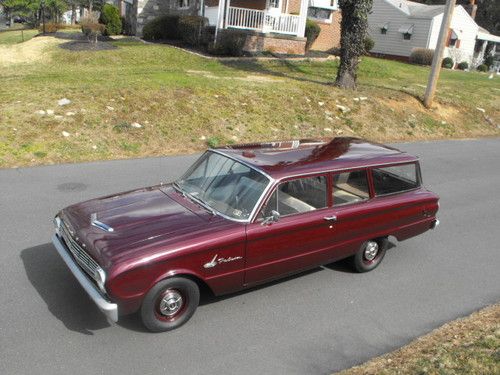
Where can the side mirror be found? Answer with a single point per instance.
(275, 216)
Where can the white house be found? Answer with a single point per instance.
(399, 26)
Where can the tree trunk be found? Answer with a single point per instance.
(354, 25)
(73, 14)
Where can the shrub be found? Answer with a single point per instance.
(126, 26)
(50, 27)
(482, 68)
(191, 29)
(162, 28)
(489, 60)
(421, 56)
(229, 43)
(91, 28)
(369, 44)
(312, 32)
(463, 65)
(447, 63)
(110, 18)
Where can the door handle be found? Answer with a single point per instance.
(330, 218)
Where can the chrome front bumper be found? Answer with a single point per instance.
(109, 309)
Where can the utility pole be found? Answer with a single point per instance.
(438, 53)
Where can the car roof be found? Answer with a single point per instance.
(281, 159)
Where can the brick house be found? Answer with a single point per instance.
(274, 25)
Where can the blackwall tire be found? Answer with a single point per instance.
(370, 255)
(170, 304)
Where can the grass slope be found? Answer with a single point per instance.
(182, 102)
(16, 36)
(465, 346)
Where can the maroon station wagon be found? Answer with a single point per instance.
(241, 216)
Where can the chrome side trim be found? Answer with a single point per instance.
(110, 310)
(99, 224)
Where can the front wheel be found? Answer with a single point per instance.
(170, 304)
(370, 255)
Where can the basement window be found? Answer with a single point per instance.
(384, 28)
(182, 4)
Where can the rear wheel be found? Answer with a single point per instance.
(370, 255)
(170, 304)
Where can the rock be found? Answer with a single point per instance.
(481, 109)
(136, 125)
(234, 138)
(363, 98)
(109, 108)
(70, 113)
(65, 133)
(296, 126)
(329, 130)
(15, 129)
(321, 104)
(339, 131)
(94, 147)
(443, 122)
(40, 112)
(308, 100)
(344, 109)
(50, 112)
(329, 118)
(202, 138)
(63, 101)
(216, 96)
(59, 117)
(356, 99)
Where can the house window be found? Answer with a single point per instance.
(453, 40)
(184, 3)
(274, 3)
(320, 14)
(406, 30)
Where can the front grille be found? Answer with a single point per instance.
(88, 264)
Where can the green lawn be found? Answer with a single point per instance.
(183, 101)
(16, 36)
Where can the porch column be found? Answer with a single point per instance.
(304, 5)
(220, 18)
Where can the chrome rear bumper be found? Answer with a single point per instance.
(434, 224)
(109, 309)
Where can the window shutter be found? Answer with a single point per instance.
(448, 38)
(457, 43)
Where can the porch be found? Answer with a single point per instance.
(263, 16)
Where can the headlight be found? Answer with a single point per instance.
(57, 225)
(100, 278)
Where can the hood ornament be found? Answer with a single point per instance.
(99, 224)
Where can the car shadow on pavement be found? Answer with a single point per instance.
(62, 293)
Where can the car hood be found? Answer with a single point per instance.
(138, 218)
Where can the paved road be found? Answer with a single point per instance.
(321, 321)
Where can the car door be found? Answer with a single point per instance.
(300, 239)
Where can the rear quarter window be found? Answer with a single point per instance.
(395, 179)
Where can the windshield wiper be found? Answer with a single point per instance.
(202, 203)
(179, 189)
(193, 198)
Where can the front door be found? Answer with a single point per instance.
(300, 239)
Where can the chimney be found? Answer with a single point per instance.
(472, 8)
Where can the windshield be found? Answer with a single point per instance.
(224, 185)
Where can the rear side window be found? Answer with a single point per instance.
(350, 187)
(395, 179)
(297, 196)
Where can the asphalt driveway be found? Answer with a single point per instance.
(315, 323)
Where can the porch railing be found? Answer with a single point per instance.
(260, 20)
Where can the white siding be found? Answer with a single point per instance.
(393, 43)
(467, 30)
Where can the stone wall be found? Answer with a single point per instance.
(275, 43)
